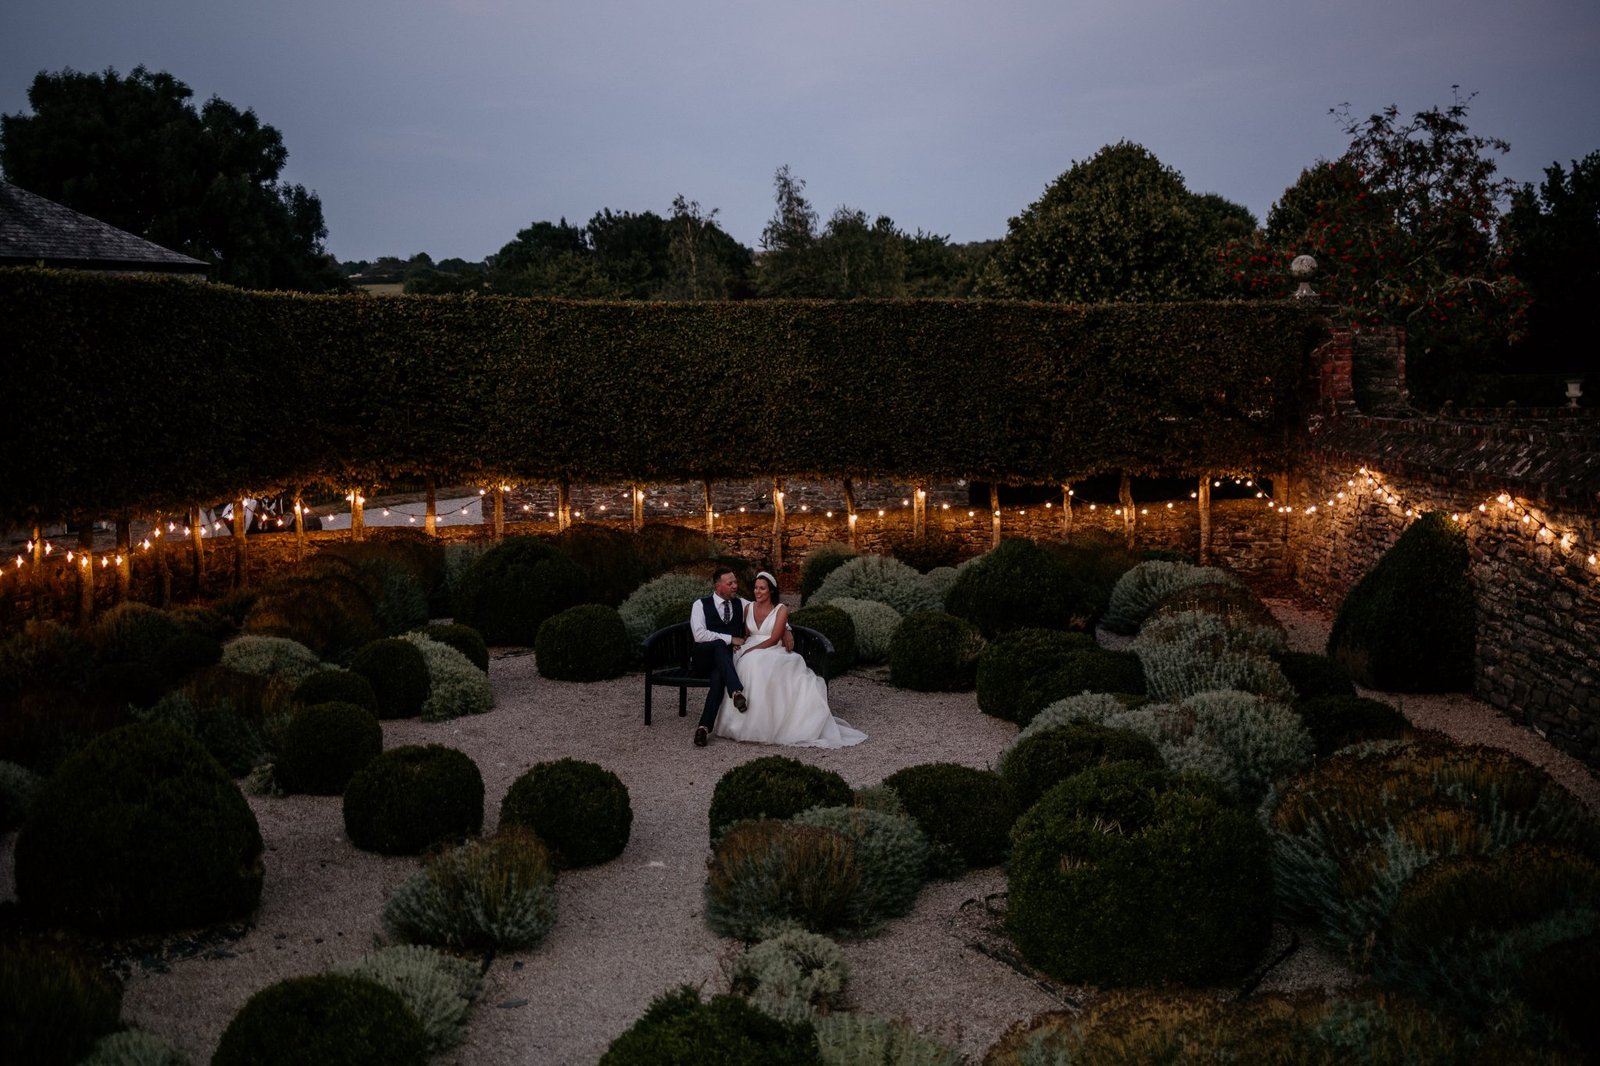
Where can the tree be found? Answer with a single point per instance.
(786, 267)
(1118, 226)
(703, 262)
(1404, 228)
(135, 153)
(1554, 238)
(548, 259)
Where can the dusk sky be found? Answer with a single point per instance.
(446, 126)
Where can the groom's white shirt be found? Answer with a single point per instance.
(697, 618)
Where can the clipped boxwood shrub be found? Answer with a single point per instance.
(879, 578)
(773, 786)
(1012, 664)
(1117, 876)
(1336, 722)
(934, 652)
(132, 632)
(186, 653)
(1018, 585)
(206, 621)
(141, 830)
(966, 812)
(398, 674)
(579, 809)
(231, 713)
(891, 854)
(508, 591)
(821, 561)
(326, 607)
(336, 686)
(131, 683)
(671, 593)
(1314, 676)
(838, 627)
(679, 1030)
(462, 638)
(324, 745)
(1408, 626)
(455, 686)
(584, 643)
(44, 724)
(412, 798)
(875, 626)
(766, 874)
(330, 1018)
(482, 896)
(18, 786)
(54, 1003)
(1037, 763)
(608, 558)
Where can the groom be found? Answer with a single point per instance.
(716, 622)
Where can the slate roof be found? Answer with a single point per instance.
(36, 231)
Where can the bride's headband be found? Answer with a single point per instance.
(770, 579)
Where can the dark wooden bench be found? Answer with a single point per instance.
(667, 655)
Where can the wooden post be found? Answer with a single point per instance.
(430, 512)
(299, 526)
(163, 569)
(1125, 497)
(711, 514)
(850, 511)
(124, 558)
(85, 563)
(499, 494)
(563, 504)
(1066, 511)
(1204, 496)
(358, 514)
(38, 547)
(197, 535)
(777, 524)
(919, 512)
(241, 524)
(636, 491)
(994, 511)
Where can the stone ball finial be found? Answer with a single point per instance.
(1303, 268)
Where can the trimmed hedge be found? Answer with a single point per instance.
(1408, 625)
(840, 629)
(773, 786)
(579, 809)
(1037, 763)
(336, 686)
(398, 673)
(1018, 585)
(966, 812)
(413, 797)
(509, 590)
(678, 1030)
(584, 643)
(934, 652)
(329, 1019)
(1335, 722)
(1150, 387)
(463, 638)
(324, 745)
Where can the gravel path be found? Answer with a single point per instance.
(631, 928)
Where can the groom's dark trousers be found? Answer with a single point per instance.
(714, 658)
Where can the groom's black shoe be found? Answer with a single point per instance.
(740, 704)
(700, 736)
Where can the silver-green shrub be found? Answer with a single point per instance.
(438, 988)
(883, 579)
(792, 974)
(891, 855)
(644, 606)
(1086, 707)
(1184, 746)
(277, 657)
(875, 626)
(456, 686)
(1265, 740)
(497, 893)
(1195, 651)
(1137, 591)
(133, 1047)
(18, 785)
(881, 798)
(459, 556)
(865, 1040)
(940, 580)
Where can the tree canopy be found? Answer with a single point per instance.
(1554, 236)
(1118, 226)
(134, 152)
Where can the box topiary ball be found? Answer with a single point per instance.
(1162, 885)
(464, 639)
(132, 632)
(1011, 665)
(934, 652)
(584, 643)
(142, 830)
(1018, 585)
(965, 811)
(324, 745)
(330, 1019)
(678, 1030)
(508, 591)
(54, 1003)
(821, 561)
(838, 627)
(1408, 626)
(398, 674)
(412, 798)
(185, 654)
(579, 809)
(773, 786)
(1314, 676)
(1336, 722)
(337, 686)
(1037, 763)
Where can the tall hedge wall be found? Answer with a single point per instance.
(134, 393)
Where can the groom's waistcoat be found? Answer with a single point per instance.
(734, 627)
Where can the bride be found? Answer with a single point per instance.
(788, 704)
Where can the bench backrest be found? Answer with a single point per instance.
(670, 648)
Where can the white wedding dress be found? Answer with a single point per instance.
(788, 704)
